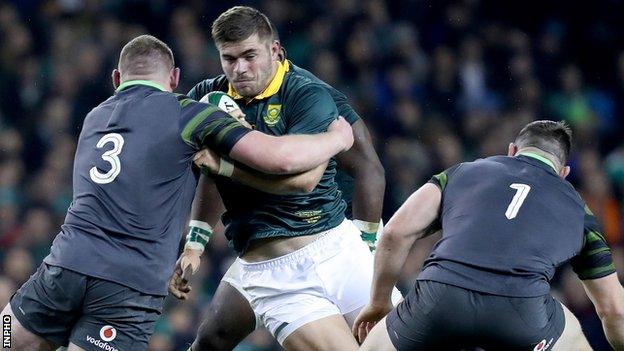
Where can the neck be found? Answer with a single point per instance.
(153, 79)
(550, 157)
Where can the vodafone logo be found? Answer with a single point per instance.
(108, 333)
(540, 346)
(543, 346)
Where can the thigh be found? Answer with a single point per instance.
(378, 339)
(229, 320)
(348, 275)
(433, 316)
(326, 334)
(115, 317)
(50, 302)
(572, 338)
(286, 293)
(21, 338)
(514, 323)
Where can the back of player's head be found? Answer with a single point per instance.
(145, 55)
(239, 23)
(552, 137)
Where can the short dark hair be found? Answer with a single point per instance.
(145, 55)
(552, 137)
(239, 23)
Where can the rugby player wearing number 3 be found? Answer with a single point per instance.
(103, 284)
(507, 222)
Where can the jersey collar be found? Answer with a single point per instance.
(540, 158)
(130, 83)
(273, 86)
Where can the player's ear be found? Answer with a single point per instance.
(116, 77)
(563, 173)
(512, 149)
(275, 50)
(174, 78)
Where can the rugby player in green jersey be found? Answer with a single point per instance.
(268, 231)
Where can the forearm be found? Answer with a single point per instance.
(389, 259)
(303, 182)
(289, 154)
(207, 205)
(301, 152)
(613, 326)
(368, 194)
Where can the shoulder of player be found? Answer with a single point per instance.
(296, 86)
(218, 83)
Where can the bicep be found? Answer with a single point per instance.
(418, 212)
(606, 293)
(258, 150)
(362, 154)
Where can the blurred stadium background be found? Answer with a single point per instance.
(437, 82)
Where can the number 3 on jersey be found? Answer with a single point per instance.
(522, 190)
(111, 156)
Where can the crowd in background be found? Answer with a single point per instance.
(437, 82)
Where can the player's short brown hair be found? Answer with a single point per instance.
(241, 22)
(549, 136)
(145, 55)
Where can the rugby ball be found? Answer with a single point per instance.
(221, 100)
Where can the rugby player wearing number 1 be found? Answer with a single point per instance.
(103, 284)
(507, 223)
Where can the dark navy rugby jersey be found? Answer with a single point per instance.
(133, 184)
(507, 223)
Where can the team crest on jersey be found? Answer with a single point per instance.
(273, 115)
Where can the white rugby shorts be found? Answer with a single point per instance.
(332, 275)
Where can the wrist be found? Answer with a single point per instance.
(368, 232)
(226, 168)
(198, 236)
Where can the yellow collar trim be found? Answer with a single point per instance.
(272, 88)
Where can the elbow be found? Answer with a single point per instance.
(392, 236)
(611, 314)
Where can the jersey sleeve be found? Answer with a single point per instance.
(205, 125)
(440, 180)
(342, 104)
(312, 112)
(200, 89)
(594, 261)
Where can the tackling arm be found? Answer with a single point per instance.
(607, 295)
(406, 226)
(303, 182)
(290, 154)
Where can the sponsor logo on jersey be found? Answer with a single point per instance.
(273, 115)
(108, 333)
(101, 344)
(310, 217)
(543, 345)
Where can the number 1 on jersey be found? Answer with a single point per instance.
(522, 190)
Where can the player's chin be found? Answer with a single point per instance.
(246, 89)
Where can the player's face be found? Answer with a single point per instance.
(249, 65)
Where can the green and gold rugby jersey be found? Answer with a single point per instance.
(292, 103)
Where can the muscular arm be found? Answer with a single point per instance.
(407, 225)
(362, 163)
(303, 182)
(207, 204)
(607, 296)
(291, 154)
